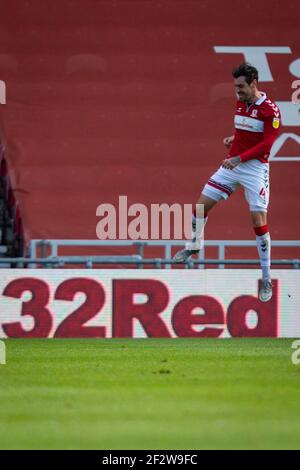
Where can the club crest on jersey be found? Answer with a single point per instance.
(254, 113)
(276, 123)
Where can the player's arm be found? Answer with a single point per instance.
(272, 124)
(231, 163)
(228, 141)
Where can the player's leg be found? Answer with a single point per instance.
(263, 242)
(220, 186)
(198, 223)
(256, 184)
(199, 219)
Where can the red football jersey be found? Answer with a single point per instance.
(256, 129)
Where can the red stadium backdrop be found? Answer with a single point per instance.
(106, 98)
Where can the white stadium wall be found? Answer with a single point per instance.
(149, 303)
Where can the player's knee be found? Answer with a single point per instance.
(207, 202)
(258, 219)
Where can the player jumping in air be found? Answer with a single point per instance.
(257, 120)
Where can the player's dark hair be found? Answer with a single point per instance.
(246, 70)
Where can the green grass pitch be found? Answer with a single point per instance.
(149, 394)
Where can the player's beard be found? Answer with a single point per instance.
(243, 97)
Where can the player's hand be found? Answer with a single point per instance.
(231, 163)
(228, 141)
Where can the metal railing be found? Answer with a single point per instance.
(49, 257)
(90, 262)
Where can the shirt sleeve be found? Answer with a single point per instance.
(262, 150)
